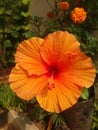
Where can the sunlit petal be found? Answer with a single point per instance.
(81, 71)
(59, 98)
(28, 56)
(58, 44)
(26, 86)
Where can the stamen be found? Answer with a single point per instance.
(51, 80)
(50, 87)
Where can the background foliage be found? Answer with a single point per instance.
(8, 99)
(14, 27)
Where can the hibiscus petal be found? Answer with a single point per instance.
(58, 44)
(26, 86)
(28, 56)
(59, 98)
(82, 71)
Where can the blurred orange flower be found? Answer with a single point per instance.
(64, 5)
(50, 14)
(78, 15)
(53, 70)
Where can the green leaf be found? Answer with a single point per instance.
(28, 34)
(95, 119)
(25, 2)
(17, 17)
(1, 30)
(7, 30)
(25, 14)
(26, 27)
(57, 119)
(2, 11)
(8, 12)
(42, 116)
(8, 43)
(85, 93)
(96, 105)
(95, 126)
(15, 34)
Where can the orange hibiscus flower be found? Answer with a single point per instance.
(53, 70)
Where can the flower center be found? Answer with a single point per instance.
(52, 74)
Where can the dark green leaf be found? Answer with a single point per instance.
(8, 43)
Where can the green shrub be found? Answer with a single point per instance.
(14, 27)
(8, 99)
